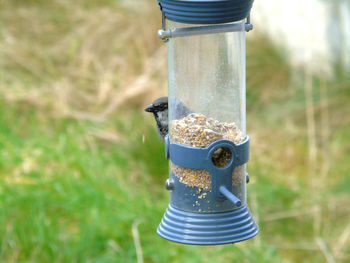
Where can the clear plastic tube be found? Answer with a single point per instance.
(206, 75)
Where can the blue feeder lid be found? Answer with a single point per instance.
(205, 11)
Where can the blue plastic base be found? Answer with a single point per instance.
(207, 229)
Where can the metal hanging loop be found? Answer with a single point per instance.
(165, 35)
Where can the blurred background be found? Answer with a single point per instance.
(82, 169)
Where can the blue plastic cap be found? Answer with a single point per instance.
(205, 11)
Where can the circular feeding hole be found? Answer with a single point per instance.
(221, 157)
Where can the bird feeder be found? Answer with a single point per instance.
(207, 145)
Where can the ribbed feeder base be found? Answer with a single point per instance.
(207, 229)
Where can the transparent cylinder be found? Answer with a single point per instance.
(206, 75)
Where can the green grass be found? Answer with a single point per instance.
(66, 198)
(72, 187)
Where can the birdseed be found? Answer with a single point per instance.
(197, 130)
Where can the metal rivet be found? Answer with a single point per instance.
(169, 184)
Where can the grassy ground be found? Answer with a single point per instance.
(81, 167)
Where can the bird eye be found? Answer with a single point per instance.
(163, 106)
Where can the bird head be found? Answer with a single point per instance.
(159, 105)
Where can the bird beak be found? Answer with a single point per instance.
(149, 108)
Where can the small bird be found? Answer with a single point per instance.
(159, 108)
